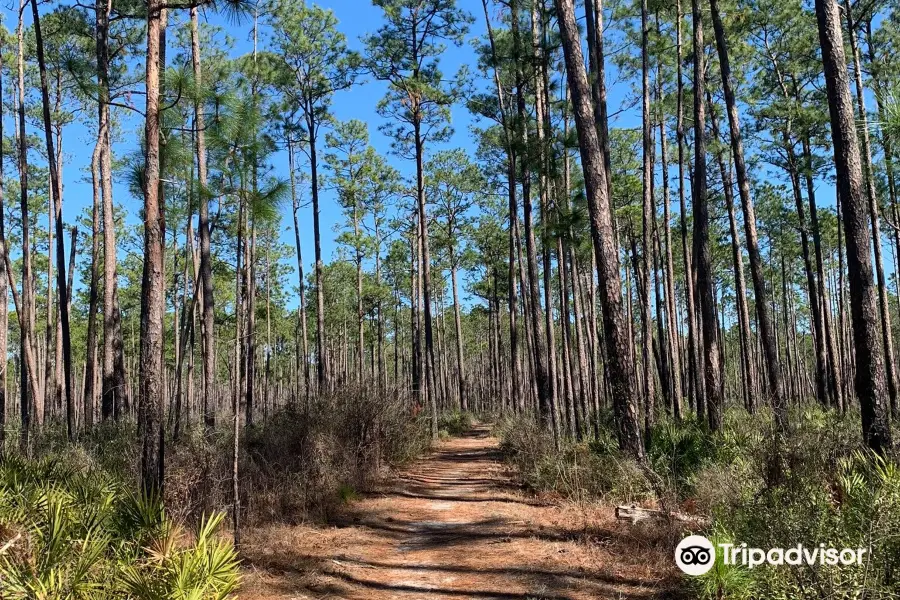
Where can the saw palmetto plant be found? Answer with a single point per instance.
(68, 535)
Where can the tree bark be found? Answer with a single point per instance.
(28, 368)
(674, 346)
(4, 284)
(696, 400)
(152, 389)
(766, 327)
(542, 377)
(322, 373)
(114, 401)
(883, 305)
(740, 283)
(620, 369)
(425, 274)
(834, 387)
(711, 367)
(90, 373)
(209, 305)
(647, 219)
(869, 381)
(515, 397)
(56, 193)
(296, 206)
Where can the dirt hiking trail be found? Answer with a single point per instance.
(455, 525)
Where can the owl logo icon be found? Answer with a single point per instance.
(695, 555)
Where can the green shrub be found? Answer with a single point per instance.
(70, 533)
(678, 451)
(455, 423)
(816, 484)
(830, 491)
(724, 581)
(296, 463)
(292, 464)
(347, 494)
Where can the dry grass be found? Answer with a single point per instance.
(303, 461)
(297, 465)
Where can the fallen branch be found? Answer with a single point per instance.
(10, 543)
(636, 514)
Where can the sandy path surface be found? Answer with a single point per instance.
(455, 525)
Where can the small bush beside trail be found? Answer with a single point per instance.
(455, 423)
(297, 464)
(292, 465)
(575, 470)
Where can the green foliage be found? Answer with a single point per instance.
(71, 533)
(364, 183)
(677, 452)
(405, 52)
(303, 459)
(347, 494)
(455, 422)
(850, 508)
(454, 185)
(831, 491)
(724, 581)
(314, 58)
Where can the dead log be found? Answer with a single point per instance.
(636, 514)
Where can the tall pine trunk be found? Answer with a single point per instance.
(620, 369)
(56, 193)
(766, 327)
(695, 399)
(29, 387)
(647, 219)
(425, 275)
(114, 387)
(322, 373)
(4, 284)
(152, 391)
(888, 340)
(209, 307)
(868, 345)
(708, 323)
(302, 310)
(90, 372)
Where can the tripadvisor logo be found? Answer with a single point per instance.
(696, 555)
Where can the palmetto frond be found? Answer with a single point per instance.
(85, 537)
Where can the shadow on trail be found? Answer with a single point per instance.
(424, 589)
(439, 534)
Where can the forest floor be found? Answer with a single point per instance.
(456, 525)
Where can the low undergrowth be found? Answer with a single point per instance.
(304, 462)
(818, 485)
(293, 465)
(581, 471)
(73, 526)
(454, 423)
(70, 533)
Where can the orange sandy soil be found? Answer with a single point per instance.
(455, 525)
